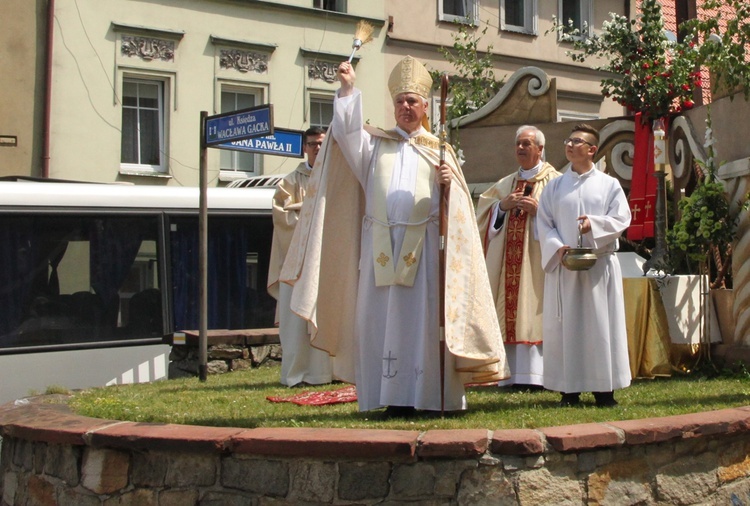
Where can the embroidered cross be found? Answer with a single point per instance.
(456, 266)
(383, 259)
(636, 210)
(410, 259)
(452, 315)
(388, 360)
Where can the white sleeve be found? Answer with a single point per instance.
(347, 128)
(492, 231)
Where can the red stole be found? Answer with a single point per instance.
(514, 241)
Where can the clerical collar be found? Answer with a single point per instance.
(529, 173)
(308, 166)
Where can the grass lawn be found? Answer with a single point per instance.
(238, 399)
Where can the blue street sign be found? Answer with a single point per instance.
(282, 142)
(238, 125)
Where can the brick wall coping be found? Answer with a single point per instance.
(34, 420)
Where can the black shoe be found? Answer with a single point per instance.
(568, 400)
(605, 399)
(399, 412)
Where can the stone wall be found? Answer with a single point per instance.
(50, 456)
(226, 350)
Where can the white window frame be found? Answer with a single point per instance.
(320, 97)
(587, 17)
(163, 122)
(234, 172)
(472, 13)
(530, 18)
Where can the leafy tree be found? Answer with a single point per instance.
(723, 50)
(475, 83)
(651, 73)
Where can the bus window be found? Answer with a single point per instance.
(238, 256)
(71, 279)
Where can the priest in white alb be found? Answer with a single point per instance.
(364, 262)
(301, 364)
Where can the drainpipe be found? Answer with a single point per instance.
(48, 89)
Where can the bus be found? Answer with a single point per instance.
(95, 278)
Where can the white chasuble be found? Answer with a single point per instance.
(386, 338)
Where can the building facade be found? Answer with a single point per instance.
(130, 79)
(517, 35)
(112, 90)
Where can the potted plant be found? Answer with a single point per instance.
(704, 233)
(706, 226)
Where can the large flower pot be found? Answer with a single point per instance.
(723, 301)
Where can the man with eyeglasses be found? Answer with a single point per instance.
(367, 273)
(301, 364)
(506, 214)
(585, 339)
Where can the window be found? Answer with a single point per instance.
(567, 115)
(321, 111)
(518, 16)
(579, 12)
(238, 254)
(466, 11)
(142, 145)
(80, 279)
(330, 5)
(238, 162)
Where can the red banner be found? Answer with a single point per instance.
(642, 196)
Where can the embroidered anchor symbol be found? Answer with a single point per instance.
(389, 359)
(410, 259)
(383, 259)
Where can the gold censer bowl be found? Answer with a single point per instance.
(580, 258)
